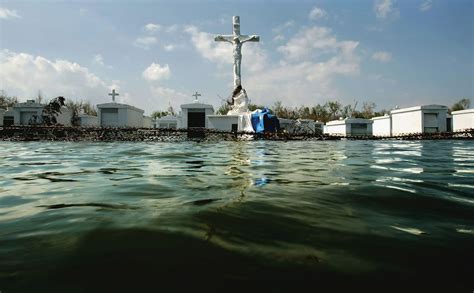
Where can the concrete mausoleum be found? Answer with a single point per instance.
(195, 115)
(463, 119)
(349, 127)
(419, 119)
(25, 113)
(119, 115)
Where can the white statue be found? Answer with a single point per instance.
(241, 102)
(236, 39)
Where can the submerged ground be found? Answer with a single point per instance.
(220, 216)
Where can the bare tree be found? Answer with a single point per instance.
(367, 110)
(334, 108)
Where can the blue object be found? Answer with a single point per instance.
(263, 121)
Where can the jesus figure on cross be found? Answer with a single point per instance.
(236, 39)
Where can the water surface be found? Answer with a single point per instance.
(99, 216)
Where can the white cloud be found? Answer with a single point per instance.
(426, 5)
(6, 13)
(82, 11)
(282, 27)
(382, 56)
(309, 41)
(166, 95)
(145, 42)
(317, 13)
(169, 47)
(278, 38)
(99, 60)
(23, 75)
(156, 72)
(311, 61)
(204, 43)
(385, 9)
(151, 27)
(172, 28)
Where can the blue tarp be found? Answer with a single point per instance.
(263, 121)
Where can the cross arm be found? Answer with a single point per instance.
(221, 38)
(252, 38)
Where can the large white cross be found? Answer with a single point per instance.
(236, 39)
(113, 94)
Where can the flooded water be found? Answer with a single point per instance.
(80, 217)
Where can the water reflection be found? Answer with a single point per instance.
(238, 168)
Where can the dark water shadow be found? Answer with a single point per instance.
(97, 205)
(137, 259)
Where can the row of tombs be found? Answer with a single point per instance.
(420, 119)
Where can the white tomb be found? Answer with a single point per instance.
(89, 120)
(196, 115)
(224, 122)
(25, 113)
(119, 115)
(382, 125)
(168, 121)
(463, 119)
(419, 119)
(349, 127)
(301, 126)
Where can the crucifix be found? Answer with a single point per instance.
(113, 94)
(196, 95)
(236, 39)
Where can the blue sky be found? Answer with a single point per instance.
(156, 53)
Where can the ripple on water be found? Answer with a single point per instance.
(346, 206)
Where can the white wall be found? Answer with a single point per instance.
(222, 122)
(89, 121)
(168, 122)
(407, 122)
(339, 129)
(147, 122)
(134, 118)
(382, 126)
(463, 119)
(125, 117)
